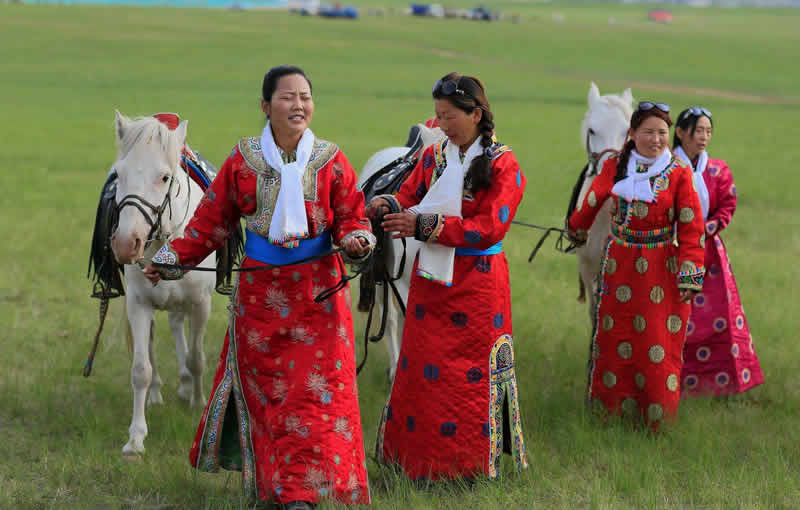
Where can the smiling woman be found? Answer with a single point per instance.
(284, 406)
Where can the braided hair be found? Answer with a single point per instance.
(479, 174)
(637, 118)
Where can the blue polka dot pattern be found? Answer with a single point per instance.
(448, 429)
(498, 320)
(421, 190)
(404, 363)
(474, 375)
(428, 161)
(504, 213)
(459, 319)
(419, 312)
(519, 178)
(483, 264)
(485, 428)
(472, 236)
(411, 424)
(431, 372)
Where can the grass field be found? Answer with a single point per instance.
(63, 71)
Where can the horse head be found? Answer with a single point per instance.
(147, 168)
(605, 125)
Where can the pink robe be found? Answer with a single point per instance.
(719, 357)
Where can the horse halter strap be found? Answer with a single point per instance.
(154, 220)
(594, 157)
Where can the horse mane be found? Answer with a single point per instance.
(149, 130)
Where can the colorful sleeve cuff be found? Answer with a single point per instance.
(428, 227)
(391, 201)
(712, 227)
(166, 255)
(691, 281)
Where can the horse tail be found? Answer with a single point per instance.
(582, 290)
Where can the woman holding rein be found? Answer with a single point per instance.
(454, 407)
(284, 406)
(719, 357)
(651, 269)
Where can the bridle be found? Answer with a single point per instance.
(154, 214)
(594, 157)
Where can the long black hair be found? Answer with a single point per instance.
(687, 120)
(637, 118)
(275, 74)
(479, 174)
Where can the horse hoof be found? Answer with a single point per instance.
(132, 452)
(155, 398)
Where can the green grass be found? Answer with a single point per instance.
(63, 71)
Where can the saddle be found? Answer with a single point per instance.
(388, 179)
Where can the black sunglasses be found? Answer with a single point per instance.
(696, 111)
(649, 105)
(447, 88)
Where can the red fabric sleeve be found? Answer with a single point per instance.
(214, 219)
(498, 204)
(347, 200)
(725, 193)
(416, 185)
(690, 232)
(582, 218)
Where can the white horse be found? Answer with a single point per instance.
(604, 127)
(394, 251)
(156, 198)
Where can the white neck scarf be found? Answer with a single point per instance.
(699, 182)
(444, 197)
(289, 222)
(636, 186)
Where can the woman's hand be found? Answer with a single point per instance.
(377, 207)
(686, 295)
(356, 246)
(402, 224)
(152, 274)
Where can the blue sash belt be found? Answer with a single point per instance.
(259, 248)
(491, 250)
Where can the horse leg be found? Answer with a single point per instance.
(154, 391)
(140, 318)
(197, 360)
(176, 320)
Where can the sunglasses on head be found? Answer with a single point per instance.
(697, 111)
(447, 88)
(649, 105)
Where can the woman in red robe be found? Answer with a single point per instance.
(652, 266)
(454, 405)
(284, 406)
(719, 357)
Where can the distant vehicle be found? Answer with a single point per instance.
(482, 13)
(660, 16)
(430, 10)
(338, 11)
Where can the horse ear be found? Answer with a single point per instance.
(627, 96)
(180, 131)
(594, 93)
(121, 124)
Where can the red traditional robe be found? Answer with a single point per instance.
(654, 250)
(284, 406)
(719, 357)
(454, 406)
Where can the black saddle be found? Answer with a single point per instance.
(388, 179)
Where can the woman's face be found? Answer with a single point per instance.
(651, 137)
(290, 108)
(460, 127)
(696, 143)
